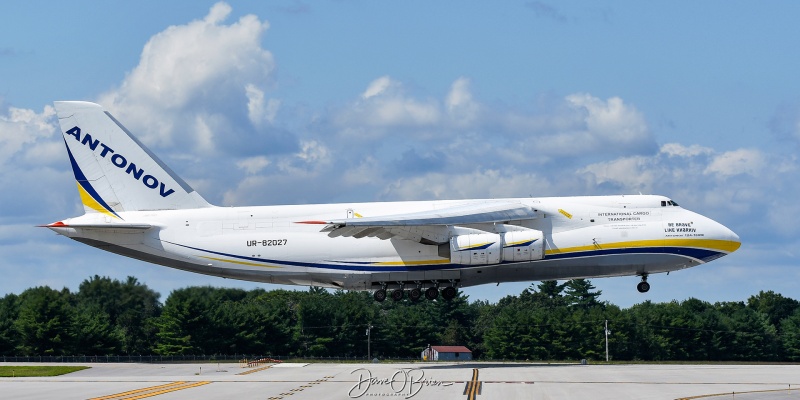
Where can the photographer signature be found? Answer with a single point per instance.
(406, 382)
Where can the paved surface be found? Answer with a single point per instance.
(438, 381)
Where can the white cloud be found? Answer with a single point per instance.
(378, 86)
(253, 165)
(313, 152)
(22, 128)
(190, 74)
(679, 150)
(675, 165)
(741, 161)
(482, 183)
(461, 107)
(744, 183)
(384, 104)
(366, 172)
(578, 125)
(632, 174)
(610, 126)
(258, 110)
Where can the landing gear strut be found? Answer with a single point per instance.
(643, 286)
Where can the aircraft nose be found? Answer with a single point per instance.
(728, 237)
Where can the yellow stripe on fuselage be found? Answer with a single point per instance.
(227, 260)
(727, 246)
(422, 262)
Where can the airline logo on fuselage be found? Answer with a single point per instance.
(119, 161)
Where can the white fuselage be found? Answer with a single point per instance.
(582, 237)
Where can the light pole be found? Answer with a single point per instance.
(369, 342)
(607, 332)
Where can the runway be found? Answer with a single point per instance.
(413, 380)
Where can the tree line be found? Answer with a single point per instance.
(549, 320)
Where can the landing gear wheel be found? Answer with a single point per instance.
(415, 294)
(379, 295)
(449, 293)
(432, 293)
(397, 294)
(643, 287)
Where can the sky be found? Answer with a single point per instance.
(293, 102)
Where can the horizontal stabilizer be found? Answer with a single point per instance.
(114, 225)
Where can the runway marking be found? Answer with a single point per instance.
(473, 387)
(299, 389)
(704, 396)
(255, 370)
(152, 391)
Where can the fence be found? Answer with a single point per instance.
(232, 358)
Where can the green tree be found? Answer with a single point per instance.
(131, 308)
(551, 293)
(317, 313)
(93, 333)
(580, 293)
(266, 323)
(9, 310)
(44, 322)
(790, 338)
(773, 305)
(751, 337)
(404, 329)
(519, 332)
(193, 321)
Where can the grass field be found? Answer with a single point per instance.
(20, 371)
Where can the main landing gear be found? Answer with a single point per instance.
(415, 294)
(643, 286)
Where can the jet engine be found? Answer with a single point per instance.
(494, 248)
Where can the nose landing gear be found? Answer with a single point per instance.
(643, 286)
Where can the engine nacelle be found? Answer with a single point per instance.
(525, 245)
(493, 248)
(475, 249)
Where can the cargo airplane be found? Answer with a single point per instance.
(138, 207)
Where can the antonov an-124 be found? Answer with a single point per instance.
(138, 207)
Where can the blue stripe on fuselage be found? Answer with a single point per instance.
(700, 254)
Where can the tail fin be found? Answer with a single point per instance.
(116, 172)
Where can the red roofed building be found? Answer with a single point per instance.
(446, 353)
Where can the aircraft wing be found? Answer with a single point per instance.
(430, 227)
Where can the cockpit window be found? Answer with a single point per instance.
(668, 203)
(663, 203)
